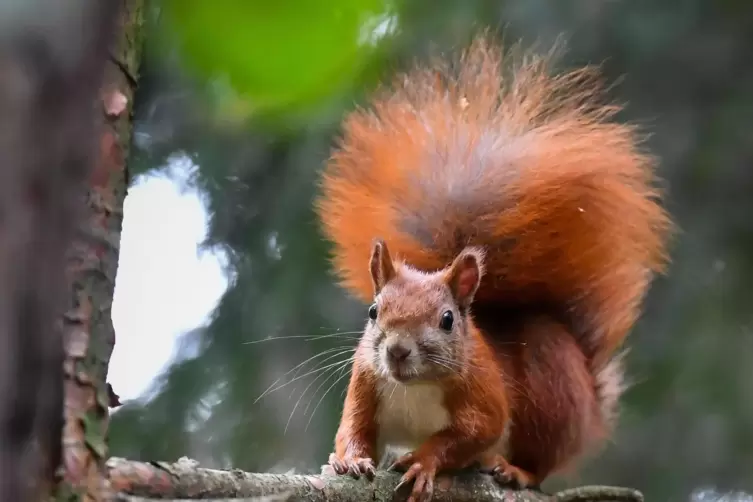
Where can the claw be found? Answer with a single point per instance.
(403, 482)
(354, 471)
(505, 473)
(368, 468)
(337, 465)
(353, 466)
(422, 475)
(402, 463)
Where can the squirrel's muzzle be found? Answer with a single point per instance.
(397, 351)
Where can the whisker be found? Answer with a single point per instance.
(297, 367)
(393, 392)
(448, 363)
(456, 364)
(349, 360)
(316, 370)
(290, 417)
(272, 387)
(444, 365)
(323, 396)
(336, 366)
(315, 356)
(351, 335)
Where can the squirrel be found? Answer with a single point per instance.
(512, 228)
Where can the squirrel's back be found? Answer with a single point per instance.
(490, 149)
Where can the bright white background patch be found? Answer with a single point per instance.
(165, 286)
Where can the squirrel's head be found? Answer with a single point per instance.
(419, 322)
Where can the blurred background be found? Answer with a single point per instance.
(238, 107)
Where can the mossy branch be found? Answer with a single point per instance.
(184, 480)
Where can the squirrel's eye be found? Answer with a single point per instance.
(446, 322)
(373, 312)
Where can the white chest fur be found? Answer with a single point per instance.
(409, 414)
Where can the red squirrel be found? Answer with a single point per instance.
(513, 228)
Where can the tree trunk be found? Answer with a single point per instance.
(49, 70)
(92, 265)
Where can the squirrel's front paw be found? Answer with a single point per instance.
(353, 466)
(420, 471)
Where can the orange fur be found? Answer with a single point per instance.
(356, 437)
(527, 165)
(494, 152)
(555, 408)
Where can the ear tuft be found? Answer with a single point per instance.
(464, 275)
(380, 266)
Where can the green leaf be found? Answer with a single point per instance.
(281, 52)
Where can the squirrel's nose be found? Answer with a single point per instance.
(398, 352)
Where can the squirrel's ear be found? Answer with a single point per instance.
(381, 267)
(464, 275)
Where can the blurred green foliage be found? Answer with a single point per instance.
(684, 70)
(281, 54)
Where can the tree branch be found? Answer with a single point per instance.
(183, 480)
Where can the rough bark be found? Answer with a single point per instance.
(184, 480)
(49, 70)
(92, 266)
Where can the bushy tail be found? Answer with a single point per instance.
(491, 150)
(610, 384)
